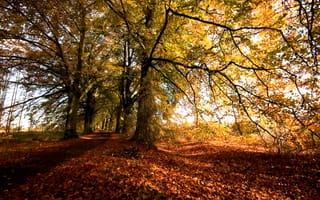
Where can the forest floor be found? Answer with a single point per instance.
(99, 167)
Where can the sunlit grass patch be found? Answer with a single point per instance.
(32, 135)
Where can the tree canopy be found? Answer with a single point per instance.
(128, 65)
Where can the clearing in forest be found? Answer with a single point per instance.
(111, 168)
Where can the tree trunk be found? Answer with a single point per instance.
(3, 92)
(128, 122)
(10, 117)
(72, 115)
(118, 119)
(104, 122)
(196, 115)
(89, 112)
(145, 128)
(74, 88)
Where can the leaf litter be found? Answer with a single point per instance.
(120, 169)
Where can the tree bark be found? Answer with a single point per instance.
(89, 112)
(72, 115)
(145, 131)
(74, 93)
(118, 119)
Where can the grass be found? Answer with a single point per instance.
(32, 135)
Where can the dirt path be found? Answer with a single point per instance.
(100, 136)
(109, 168)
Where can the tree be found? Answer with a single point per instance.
(3, 91)
(142, 20)
(147, 27)
(255, 76)
(56, 50)
(253, 60)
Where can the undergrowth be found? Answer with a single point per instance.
(33, 135)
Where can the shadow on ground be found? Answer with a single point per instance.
(244, 174)
(121, 169)
(16, 173)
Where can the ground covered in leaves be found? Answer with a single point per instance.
(111, 168)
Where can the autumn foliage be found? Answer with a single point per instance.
(112, 168)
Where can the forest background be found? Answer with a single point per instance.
(246, 68)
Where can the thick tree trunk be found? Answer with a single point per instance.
(145, 130)
(128, 122)
(72, 116)
(74, 87)
(89, 112)
(118, 119)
